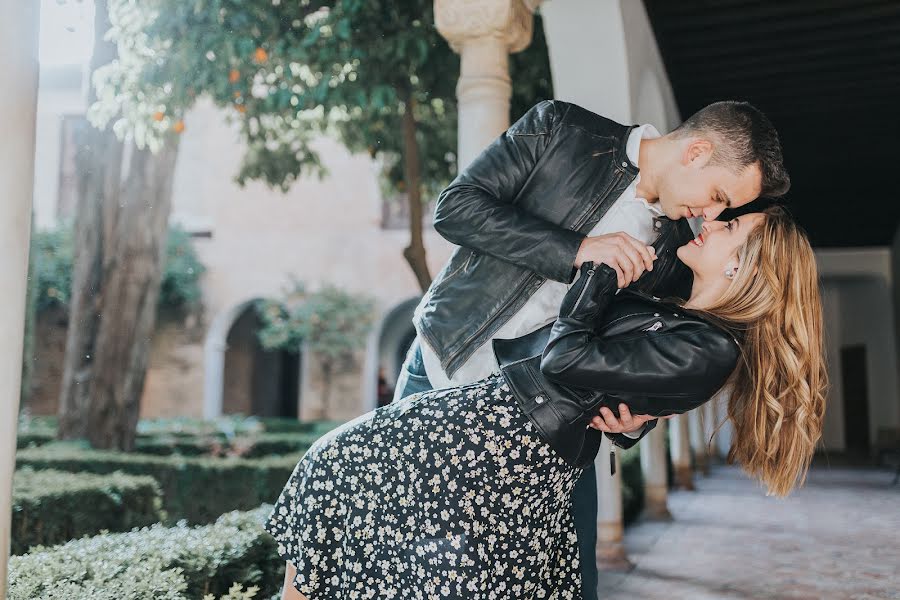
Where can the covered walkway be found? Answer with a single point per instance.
(836, 538)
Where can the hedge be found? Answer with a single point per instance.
(196, 489)
(168, 563)
(246, 446)
(53, 507)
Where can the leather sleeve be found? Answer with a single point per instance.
(695, 358)
(476, 210)
(625, 442)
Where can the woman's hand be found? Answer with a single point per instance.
(626, 423)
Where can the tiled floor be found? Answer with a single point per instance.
(837, 538)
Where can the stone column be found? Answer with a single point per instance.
(483, 33)
(710, 419)
(610, 525)
(18, 102)
(680, 451)
(653, 467)
(698, 441)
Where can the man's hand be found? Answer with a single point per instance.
(626, 423)
(627, 255)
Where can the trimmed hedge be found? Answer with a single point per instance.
(177, 563)
(246, 446)
(196, 489)
(52, 507)
(34, 438)
(268, 444)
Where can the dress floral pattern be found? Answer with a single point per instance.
(448, 493)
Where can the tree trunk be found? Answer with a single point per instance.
(133, 257)
(415, 252)
(99, 163)
(27, 386)
(327, 374)
(118, 253)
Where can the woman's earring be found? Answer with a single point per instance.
(729, 272)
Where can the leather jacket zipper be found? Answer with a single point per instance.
(590, 275)
(532, 277)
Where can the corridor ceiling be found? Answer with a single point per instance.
(827, 73)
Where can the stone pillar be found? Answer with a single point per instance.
(483, 33)
(710, 419)
(698, 441)
(653, 467)
(19, 80)
(610, 525)
(680, 451)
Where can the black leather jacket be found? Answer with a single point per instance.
(606, 348)
(519, 212)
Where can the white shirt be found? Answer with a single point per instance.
(629, 213)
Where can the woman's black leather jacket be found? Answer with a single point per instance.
(605, 348)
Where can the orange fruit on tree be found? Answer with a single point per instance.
(158, 116)
(178, 126)
(234, 75)
(260, 55)
(240, 108)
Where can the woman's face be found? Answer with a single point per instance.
(714, 249)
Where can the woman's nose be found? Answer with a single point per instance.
(708, 226)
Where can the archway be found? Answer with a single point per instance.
(387, 351)
(243, 377)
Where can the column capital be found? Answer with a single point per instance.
(508, 20)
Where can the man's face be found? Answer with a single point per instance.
(694, 188)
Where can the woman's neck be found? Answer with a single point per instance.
(705, 293)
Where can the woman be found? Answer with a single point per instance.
(465, 492)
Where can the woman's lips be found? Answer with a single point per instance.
(698, 241)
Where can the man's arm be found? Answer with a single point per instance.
(476, 210)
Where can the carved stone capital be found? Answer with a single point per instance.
(511, 21)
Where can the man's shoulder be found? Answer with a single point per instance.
(574, 114)
(553, 114)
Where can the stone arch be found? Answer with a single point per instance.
(241, 376)
(386, 349)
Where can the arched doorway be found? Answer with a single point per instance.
(242, 377)
(395, 336)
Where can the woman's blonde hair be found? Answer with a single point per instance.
(777, 391)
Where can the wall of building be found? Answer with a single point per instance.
(858, 303)
(324, 231)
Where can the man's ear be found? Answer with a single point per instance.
(697, 153)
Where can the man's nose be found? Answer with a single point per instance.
(711, 213)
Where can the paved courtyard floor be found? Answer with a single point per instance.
(837, 538)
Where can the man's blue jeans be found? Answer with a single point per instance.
(413, 379)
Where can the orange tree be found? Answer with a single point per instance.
(374, 74)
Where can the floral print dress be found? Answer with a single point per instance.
(448, 493)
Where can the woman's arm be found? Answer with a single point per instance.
(693, 358)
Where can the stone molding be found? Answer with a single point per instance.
(511, 21)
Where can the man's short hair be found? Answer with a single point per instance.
(742, 136)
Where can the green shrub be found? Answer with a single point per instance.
(179, 288)
(185, 445)
(269, 444)
(176, 563)
(287, 425)
(52, 507)
(34, 438)
(197, 489)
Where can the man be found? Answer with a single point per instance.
(560, 187)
